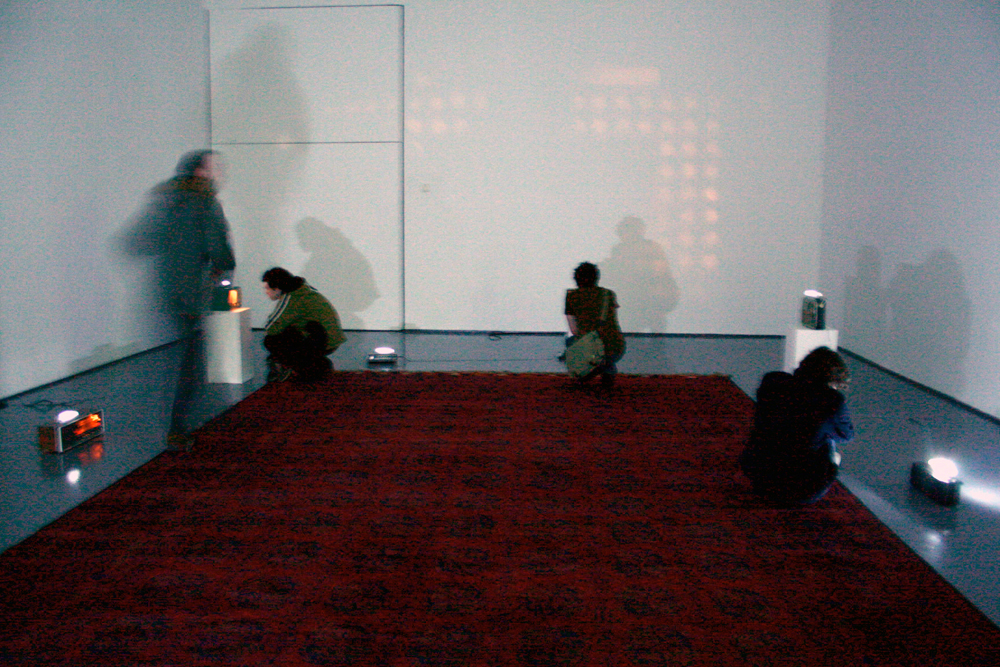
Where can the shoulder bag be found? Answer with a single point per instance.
(587, 352)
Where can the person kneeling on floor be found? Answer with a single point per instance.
(799, 420)
(303, 329)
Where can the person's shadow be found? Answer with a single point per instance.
(338, 270)
(930, 319)
(639, 273)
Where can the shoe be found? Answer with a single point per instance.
(279, 374)
(180, 442)
(321, 370)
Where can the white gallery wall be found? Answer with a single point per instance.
(676, 143)
(911, 230)
(98, 99)
(306, 108)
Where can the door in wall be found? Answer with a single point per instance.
(306, 107)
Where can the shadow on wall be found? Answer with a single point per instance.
(919, 324)
(338, 270)
(639, 273)
(865, 309)
(257, 99)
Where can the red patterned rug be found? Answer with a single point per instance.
(411, 519)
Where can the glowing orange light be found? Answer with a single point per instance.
(87, 423)
(234, 298)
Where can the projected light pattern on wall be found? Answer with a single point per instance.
(682, 133)
(676, 137)
(444, 114)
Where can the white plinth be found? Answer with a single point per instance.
(801, 342)
(227, 346)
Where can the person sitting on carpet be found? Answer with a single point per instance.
(583, 309)
(303, 329)
(791, 457)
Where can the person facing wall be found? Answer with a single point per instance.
(301, 331)
(592, 308)
(791, 456)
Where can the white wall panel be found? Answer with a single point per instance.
(313, 74)
(306, 109)
(334, 219)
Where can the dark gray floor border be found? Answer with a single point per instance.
(924, 388)
(88, 371)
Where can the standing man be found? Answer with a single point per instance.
(186, 231)
(303, 329)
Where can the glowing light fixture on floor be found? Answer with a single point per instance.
(70, 429)
(383, 356)
(937, 479)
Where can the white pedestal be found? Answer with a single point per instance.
(801, 342)
(227, 346)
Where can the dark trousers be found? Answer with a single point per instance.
(302, 351)
(191, 373)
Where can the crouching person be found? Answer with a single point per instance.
(303, 329)
(799, 421)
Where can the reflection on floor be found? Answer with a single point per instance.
(897, 423)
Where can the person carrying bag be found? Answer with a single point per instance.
(596, 343)
(586, 353)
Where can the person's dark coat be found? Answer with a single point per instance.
(797, 427)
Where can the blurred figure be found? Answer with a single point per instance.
(185, 229)
(792, 456)
(584, 308)
(303, 329)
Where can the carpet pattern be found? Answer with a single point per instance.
(411, 519)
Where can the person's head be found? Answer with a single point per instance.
(826, 367)
(278, 281)
(586, 275)
(200, 164)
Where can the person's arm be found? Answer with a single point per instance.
(841, 427)
(282, 316)
(217, 245)
(571, 320)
